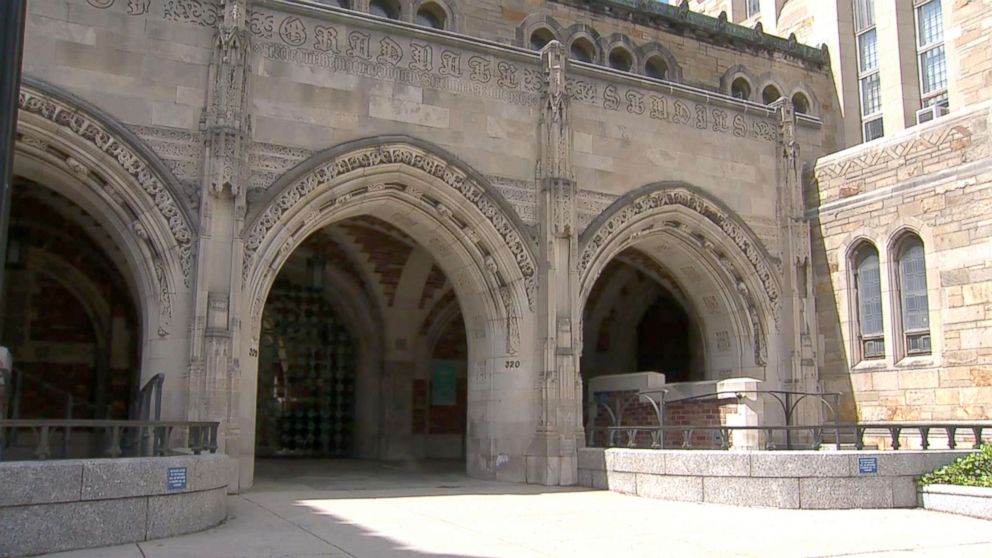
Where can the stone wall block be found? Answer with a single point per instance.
(39, 482)
(846, 493)
(707, 463)
(169, 516)
(763, 492)
(28, 529)
(799, 464)
(679, 489)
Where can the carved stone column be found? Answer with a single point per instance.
(551, 457)
(214, 389)
(798, 313)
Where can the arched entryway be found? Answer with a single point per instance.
(640, 318)
(69, 314)
(672, 282)
(104, 244)
(363, 351)
(434, 266)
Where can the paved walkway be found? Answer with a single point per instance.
(348, 508)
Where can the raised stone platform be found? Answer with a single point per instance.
(51, 506)
(775, 479)
(975, 501)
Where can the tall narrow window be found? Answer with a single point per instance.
(930, 49)
(913, 296)
(868, 79)
(752, 7)
(868, 292)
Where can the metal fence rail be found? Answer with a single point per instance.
(111, 438)
(980, 432)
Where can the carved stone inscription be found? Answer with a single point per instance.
(384, 57)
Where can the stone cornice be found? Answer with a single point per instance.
(716, 30)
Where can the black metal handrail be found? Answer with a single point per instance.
(657, 398)
(980, 432)
(199, 436)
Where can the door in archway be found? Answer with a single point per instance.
(306, 376)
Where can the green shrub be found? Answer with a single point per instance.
(974, 469)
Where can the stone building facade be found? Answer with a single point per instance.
(410, 229)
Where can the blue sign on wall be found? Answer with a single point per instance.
(176, 478)
(867, 465)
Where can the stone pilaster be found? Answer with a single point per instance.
(214, 369)
(551, 457)
(798, 363)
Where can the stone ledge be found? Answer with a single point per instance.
(786, 479)
(972, 501)
(53, 506)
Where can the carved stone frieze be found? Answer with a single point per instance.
(644, 205)
(457, 180)
(79, 124)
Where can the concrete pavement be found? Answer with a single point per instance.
(365, 509)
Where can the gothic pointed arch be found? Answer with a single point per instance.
(418, 185)
(722, 248)
(83, 153)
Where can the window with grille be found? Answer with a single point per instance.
(868, 293)
(913, 300)
(930, 51)
(868, 75)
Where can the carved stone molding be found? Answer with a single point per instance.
(75, 121)
(459, 182)
(613, 223)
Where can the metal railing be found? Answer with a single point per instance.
(18, 378)
(789, 402)
(954, 433)
(108, 437)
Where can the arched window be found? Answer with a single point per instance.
(868, 296)
(541, 37)
(656, 67)
(740, 89)
(770, 95)
(912, 296)
(621, 60)
(431, 15)
(800, 103)
(582, 50)
(384, 8)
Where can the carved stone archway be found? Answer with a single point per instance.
(84, 154)
(726, 251)
(450, 210)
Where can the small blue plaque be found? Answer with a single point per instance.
(867, 465)
(176, 478)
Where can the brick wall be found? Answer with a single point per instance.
(699, 412)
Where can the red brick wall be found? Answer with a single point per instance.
(699, 412)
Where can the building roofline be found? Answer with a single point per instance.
(716, 30)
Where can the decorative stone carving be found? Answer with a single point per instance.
(76, 122)
(391, 154)
(650, 202)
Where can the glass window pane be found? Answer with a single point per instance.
(869, 284)
(871, 95)
(864, 14)
(913, 286)
(868, 51)
(933, 69)
(753, 7)
(874, 129)
(930, 23)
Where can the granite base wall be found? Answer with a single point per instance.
(963, 500)
(53, 506)
(779, 479)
